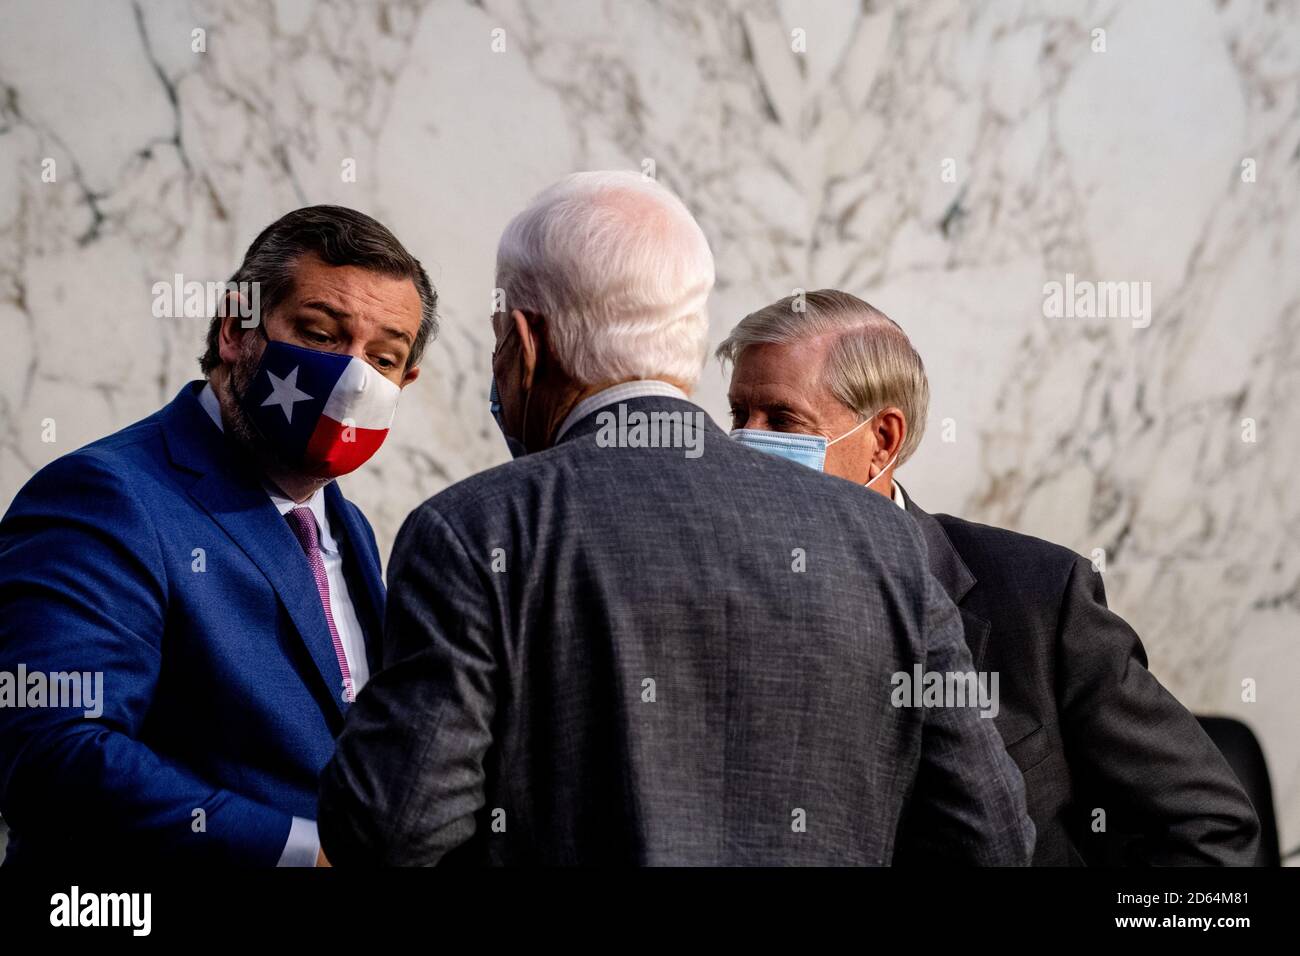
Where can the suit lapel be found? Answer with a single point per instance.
(952, 574)
(238, 503)
(977, 636)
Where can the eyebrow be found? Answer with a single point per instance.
(339, 314)
(394, 333)
(770, 406)
(331, 311)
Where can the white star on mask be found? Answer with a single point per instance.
(284, 392)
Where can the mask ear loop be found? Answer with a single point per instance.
(868, 419)
(888, 464)
(864, 421)
(882, 471)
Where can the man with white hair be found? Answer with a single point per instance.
(829, 381)
(641, 642)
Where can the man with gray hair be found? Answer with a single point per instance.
(650, 645)
(829, 381)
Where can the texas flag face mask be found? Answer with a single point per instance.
(326, 412)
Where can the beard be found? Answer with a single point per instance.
(245, 434)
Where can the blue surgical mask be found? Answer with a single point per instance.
(807, 450)
(516, 447)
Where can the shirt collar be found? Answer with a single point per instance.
(208, 399)
(211, 405)
(317, 505)
(624, 391)
(898, 497)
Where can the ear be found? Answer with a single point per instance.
(411, 375)
(230, 339)
(530, 345)
(890, 432)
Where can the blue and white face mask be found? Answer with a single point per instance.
(807, 450)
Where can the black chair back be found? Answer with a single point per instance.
(1244, 756)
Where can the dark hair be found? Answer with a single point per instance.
(340, 237)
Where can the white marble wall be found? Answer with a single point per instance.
(806, 169)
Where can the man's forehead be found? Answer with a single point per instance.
(775, 367)
(347, 291)
(314, 278)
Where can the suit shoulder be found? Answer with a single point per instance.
(486, 485)
(984, 547)
(125, 448)
(815, 486)
(849, 509)
(101, 490)
(108, 464)
(484, 496)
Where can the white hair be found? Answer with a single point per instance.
(621, 272)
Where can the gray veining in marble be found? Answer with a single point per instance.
(806, 169)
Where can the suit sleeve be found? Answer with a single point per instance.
(83, 591)
(407, 776)
(1135, 749)
(968, 802)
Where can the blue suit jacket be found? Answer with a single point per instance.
(154, 557)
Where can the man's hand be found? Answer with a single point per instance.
(321, 860)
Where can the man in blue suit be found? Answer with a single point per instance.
(203, 568)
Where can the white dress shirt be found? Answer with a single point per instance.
(303, 843)
(623, 392)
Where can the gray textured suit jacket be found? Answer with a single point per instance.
(1086, 722)
(610, 655)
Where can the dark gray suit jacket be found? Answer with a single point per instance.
(600, 655)
(1086, 722)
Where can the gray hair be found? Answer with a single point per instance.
(870, 366)
(621, 272)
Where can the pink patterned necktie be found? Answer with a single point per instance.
(303, 523)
